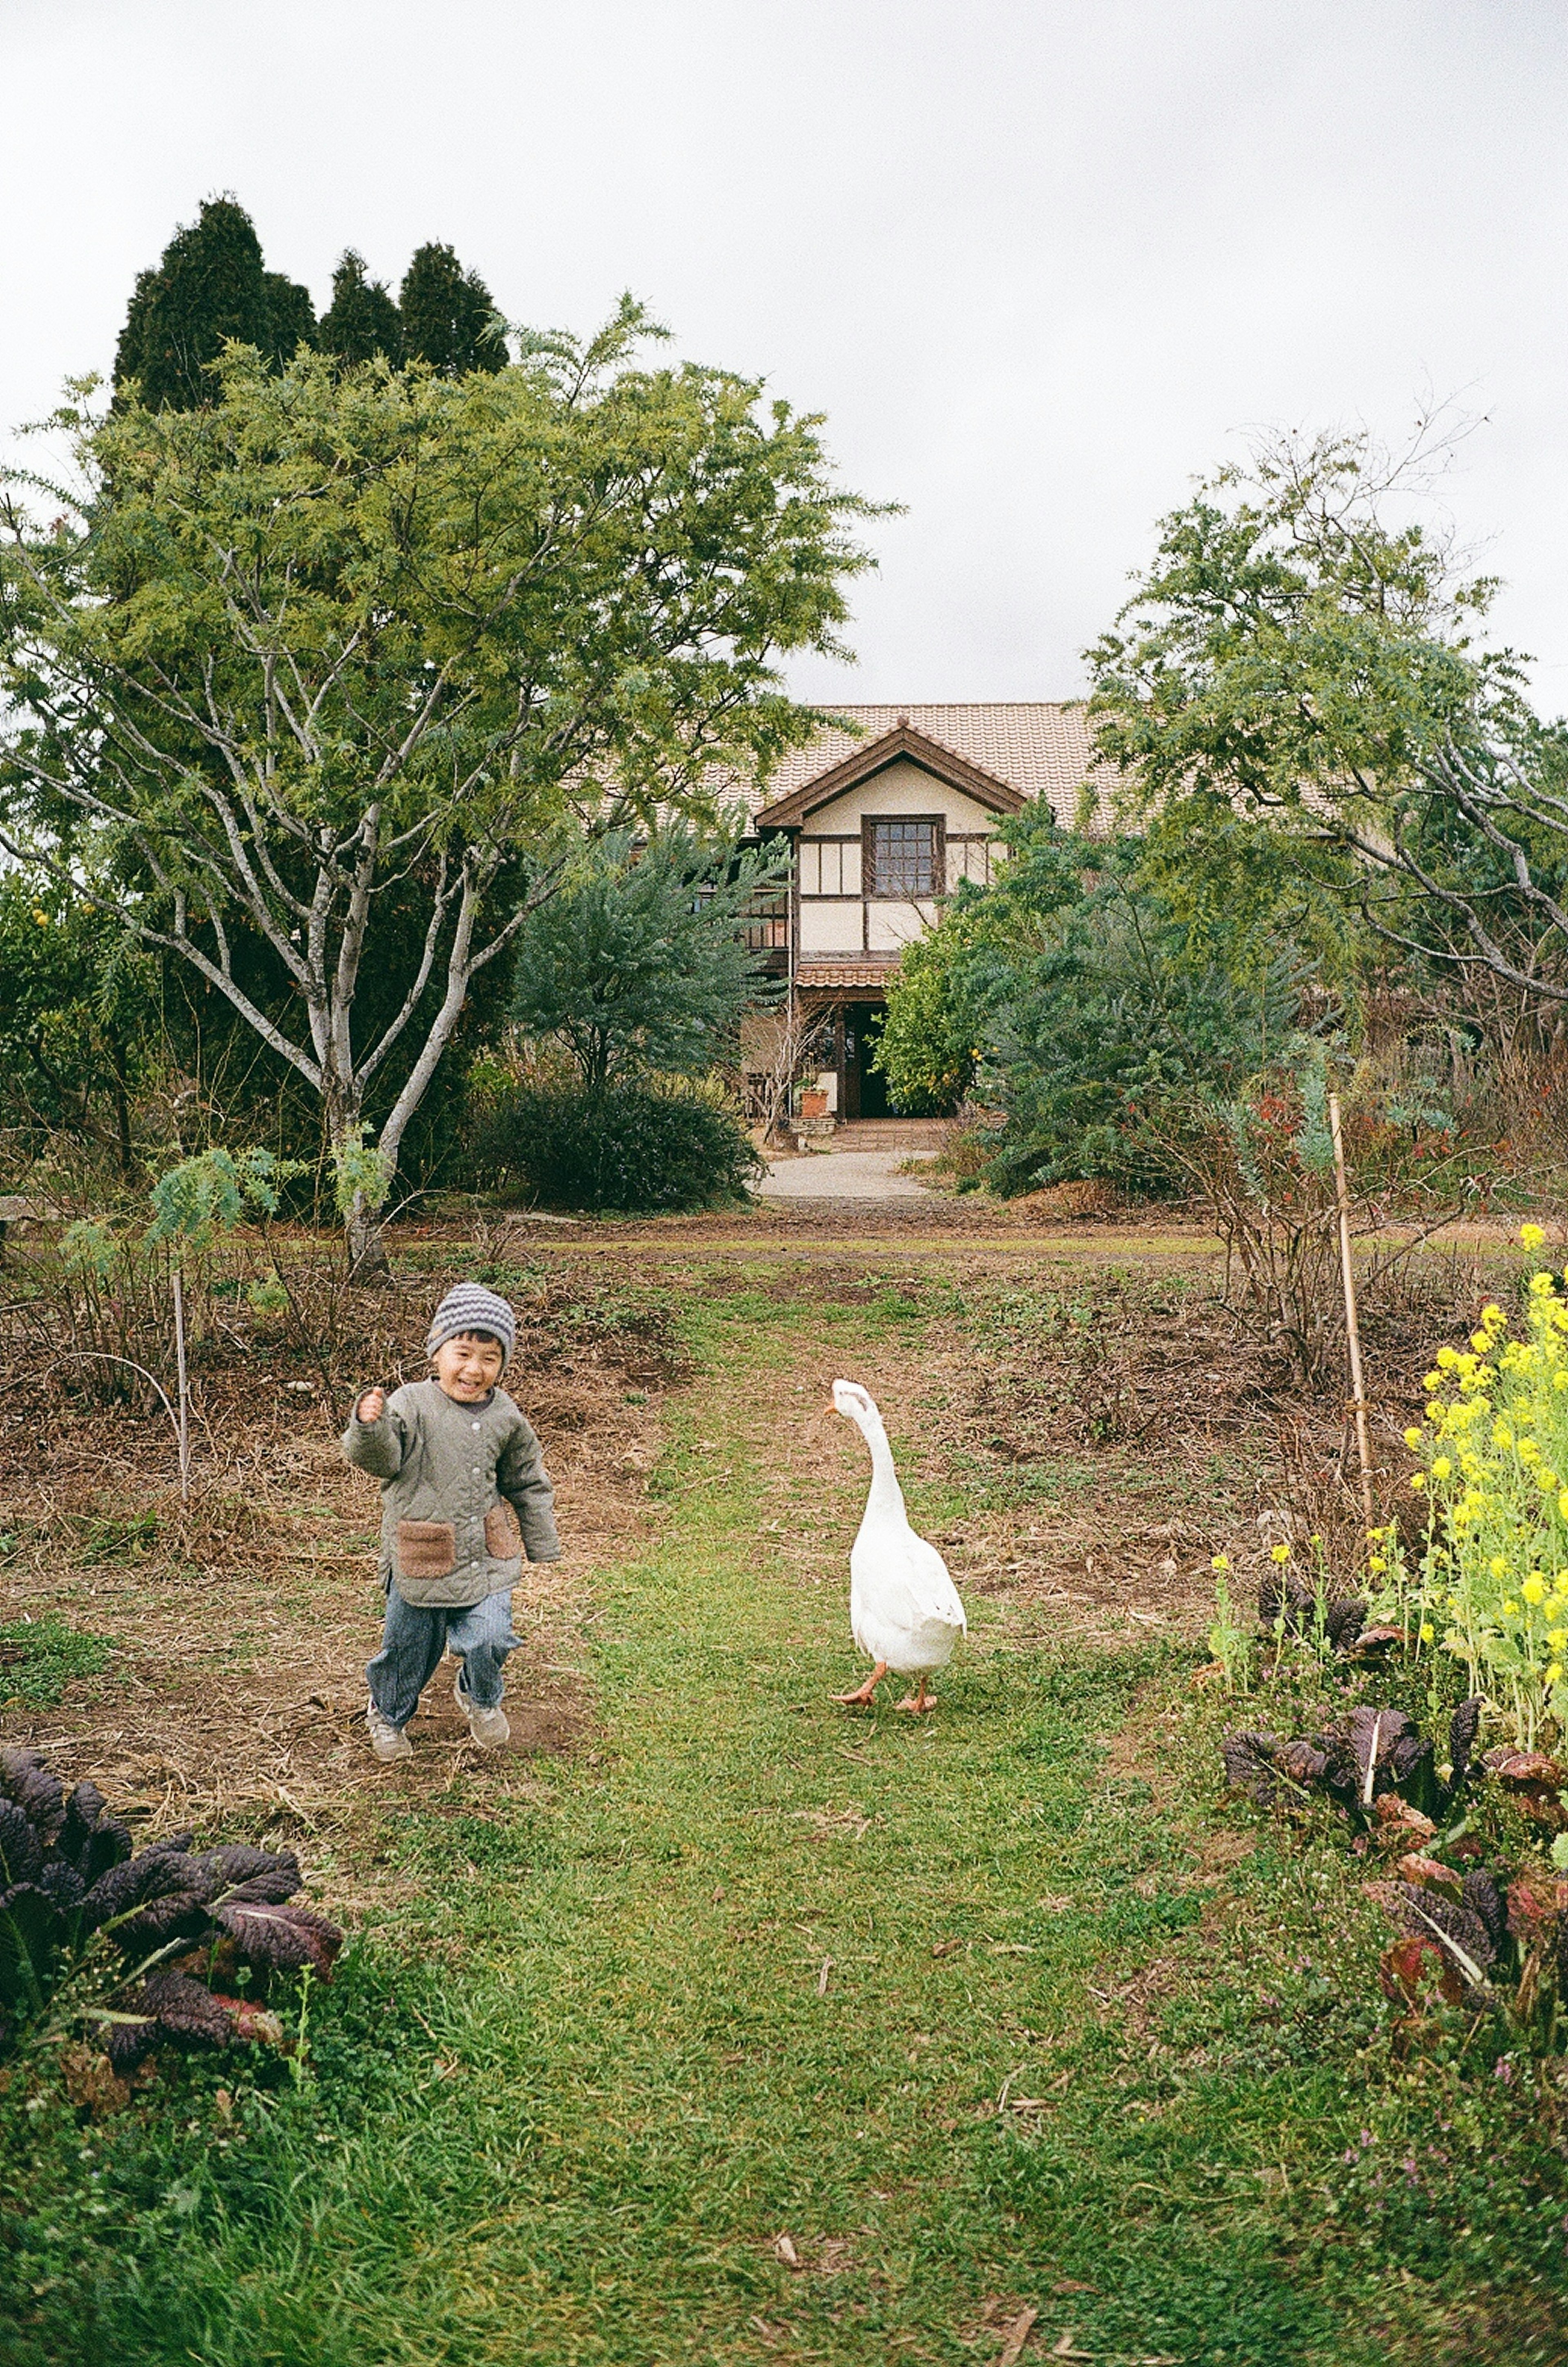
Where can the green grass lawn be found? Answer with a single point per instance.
(972, 2011)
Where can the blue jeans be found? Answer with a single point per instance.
(412, 1643)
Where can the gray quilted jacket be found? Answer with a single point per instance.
(464, 1493)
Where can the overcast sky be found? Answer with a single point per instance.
(1040, 264)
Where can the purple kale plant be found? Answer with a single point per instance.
(155, 1923)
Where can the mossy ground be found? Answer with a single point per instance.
(1004, 2010)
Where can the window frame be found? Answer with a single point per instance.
(872, 889)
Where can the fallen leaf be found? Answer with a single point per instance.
(946, 1947)
(1375, 1639)
(1399, 1819)
(1429, 1873)
(92, 2082)
(1018, 2335)
(1073, 2285)
(783, 2249)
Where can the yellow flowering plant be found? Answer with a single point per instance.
(1229, 1643)
(1492, 1584)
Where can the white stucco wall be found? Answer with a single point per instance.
(890, 925)
(900, 788)
(830, 870)
(830, 928)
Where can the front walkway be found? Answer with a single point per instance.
(843, 1175)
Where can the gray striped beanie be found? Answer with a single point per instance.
(469, 1306)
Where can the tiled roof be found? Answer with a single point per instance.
(1038, 747)
(852, 970)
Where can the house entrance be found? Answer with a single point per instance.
(865, 1088)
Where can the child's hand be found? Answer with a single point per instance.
(371, 1406)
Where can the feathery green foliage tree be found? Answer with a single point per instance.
(78, 1018)
(1298, 671)
(1085, 1007)
(347, 634)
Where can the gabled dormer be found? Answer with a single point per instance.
(881, 838)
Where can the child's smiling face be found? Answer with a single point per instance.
(468, 1367)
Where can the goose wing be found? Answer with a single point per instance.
(906, 1579)
(936, 1596)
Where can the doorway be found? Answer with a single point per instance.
(865, 1088)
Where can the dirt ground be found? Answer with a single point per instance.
(235, 1696)
(1105, 1465)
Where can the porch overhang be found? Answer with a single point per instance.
(832, 975)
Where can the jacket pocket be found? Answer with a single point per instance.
(503, 1538)
(426, 1548)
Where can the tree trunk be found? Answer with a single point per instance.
(360, 1214)
(368, 1260)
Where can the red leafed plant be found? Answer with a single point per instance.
(158, 1927)
(1468, 1937)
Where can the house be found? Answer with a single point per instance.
(882, 825)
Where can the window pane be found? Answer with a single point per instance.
(903, 857)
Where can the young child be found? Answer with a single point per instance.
(464, 1495)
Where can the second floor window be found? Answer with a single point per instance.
(902, 858)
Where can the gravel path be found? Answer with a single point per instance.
(843, 1175)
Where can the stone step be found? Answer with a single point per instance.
(893, 1134)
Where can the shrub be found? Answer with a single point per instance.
(1492, 1582)
(631, 1147)
(1260, 1163)
(925, 1050)
(1081, 1004)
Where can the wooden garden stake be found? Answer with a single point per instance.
(183, 1428)
(1352, 1328)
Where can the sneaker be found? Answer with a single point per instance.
(490, 1728)
(387, 1740)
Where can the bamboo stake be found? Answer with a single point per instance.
(183, 1425)
(1352, 1328)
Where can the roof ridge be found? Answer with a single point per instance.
(908, 706)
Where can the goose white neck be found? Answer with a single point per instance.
(886, 1496)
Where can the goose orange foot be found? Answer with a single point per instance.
(865, 1697)
(919, 1700)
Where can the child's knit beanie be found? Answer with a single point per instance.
(469, 1306)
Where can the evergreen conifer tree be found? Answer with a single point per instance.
(362, 319)
(130, 354)
(448, 316)
(291, 317)
(210, 285)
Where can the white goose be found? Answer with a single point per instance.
(903, 1608)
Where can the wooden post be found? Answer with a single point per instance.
(183, 1427)
(1352, 1328)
